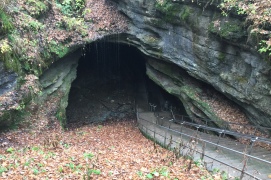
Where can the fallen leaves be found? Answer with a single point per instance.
(115, 150)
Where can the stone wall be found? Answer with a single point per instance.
(211, 48)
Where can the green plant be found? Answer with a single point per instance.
(60, 169)
(71, 7)
(10, 150)
(265, 47)
(215, 170)
(74, 24)
(257, 14)
(20, 107)
(93, 171)
(35, 148)
(35, 25)
(35, 171)
(28, 162)
(8, 56)
(5, 47)
(36, 7)
(88, 155)
(49, 155)
(96, 171)
(164, 172)
(6, 22)
(71, 166)
(60, 50)
(65, 145)
(140, 174)
(149, 176)
(2, 157)
(199, 163)
(224, 175)
(2, 169)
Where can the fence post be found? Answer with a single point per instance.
(252, 141)
(165, 138)
(220, 133)
(198, 129)
(170, 121)
(173, 116)
(203, 151)
(244, 166)
(206, 124)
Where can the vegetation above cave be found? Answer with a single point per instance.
(256, 15)
(35, 33)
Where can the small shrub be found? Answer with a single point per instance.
(71, 7)
(5, 23)
(36, 7)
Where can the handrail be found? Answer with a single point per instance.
(226, 122)
(218, 130)
(233, 133)
(215, 144)
(215, 159)
(244, 125)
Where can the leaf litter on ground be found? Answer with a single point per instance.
(112, 150)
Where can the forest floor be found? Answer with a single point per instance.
(108, 150)
(88, 149)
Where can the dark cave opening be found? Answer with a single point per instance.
(108, 78)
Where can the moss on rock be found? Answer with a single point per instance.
(174, 12)
(229, 30)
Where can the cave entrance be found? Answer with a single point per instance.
(109, 76)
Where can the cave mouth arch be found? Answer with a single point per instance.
(109, 77)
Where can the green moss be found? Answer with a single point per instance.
(174, 12)
(60, 115)
(71, 7)
(221, 57)
(6, 25)
(58, 49)
(31, 24)
(229, 30)
(185, 13)
(192, 93)
(8, 56)
(11, 119)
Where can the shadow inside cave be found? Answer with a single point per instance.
(108, 78)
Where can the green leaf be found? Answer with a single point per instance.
(149, 176)
(10, 150)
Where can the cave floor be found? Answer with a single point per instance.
(95, 100)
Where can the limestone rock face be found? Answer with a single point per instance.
(209, 47)
(190, 47)
(8, 79)
(57, 81)
(8, 99)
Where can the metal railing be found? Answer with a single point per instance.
(144, 123)
(227, 124)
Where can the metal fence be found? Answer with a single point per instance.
(195, 145)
